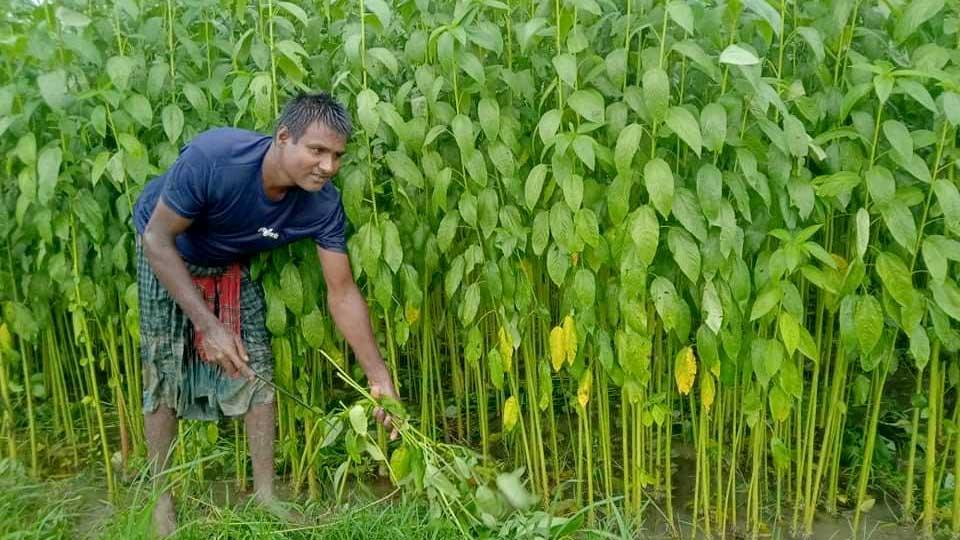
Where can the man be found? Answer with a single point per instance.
(230, 194)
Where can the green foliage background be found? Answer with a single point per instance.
(771, 184)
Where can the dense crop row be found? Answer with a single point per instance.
(590, 232)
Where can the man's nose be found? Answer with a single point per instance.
(326, 164)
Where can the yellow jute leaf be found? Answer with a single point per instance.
(511, 413)
(557, 348)
(685, 370)
(400, 463)
(412, 315)
(506, 349)
(570, 339)
(583, 389)
(708, 391)
(6, 340)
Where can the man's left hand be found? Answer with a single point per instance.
(384, 388)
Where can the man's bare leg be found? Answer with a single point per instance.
(161, 426)
(259, 421)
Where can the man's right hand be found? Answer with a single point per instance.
(226, 349)
(220, 344)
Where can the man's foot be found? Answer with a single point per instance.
(282, 511)
(164, 517)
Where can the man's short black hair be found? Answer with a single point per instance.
(305, 109)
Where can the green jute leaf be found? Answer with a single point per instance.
(312, 328)
(780, 404)
(69, 17)
(686, 253)
(881, 184)
(276, 315)
(471, 301)
(900, 222)
(392, 249)
(53, 88)
(488, 209)
(949, 198)
(681, 14)
(863, 231)
(48, 173)
(566, 66)
(656, 91)
(712, 307)
(713, 126)
(588, 104)
(947, 296)
(660, 184)
(789, 331)
(447, 230)
(172, 119)
(899, 137)
(584, 287)
(791, 379)
(367, 101)
(868, 319)
(404, 168)
(916, 13)
(139, 108)
(291, 288)
(557, 265)
(645, 232)
(738, 56)
(766, 301)
(628, 141)
(951, 107)
(920, 347)
(534, 185)
(489, 113)
(358, 419)
(896, 278)
(766, 12)
(685, 125)
(119, 69)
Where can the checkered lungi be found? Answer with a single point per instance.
(173, 373)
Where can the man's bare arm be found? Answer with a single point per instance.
(350, 313)
(159, 245)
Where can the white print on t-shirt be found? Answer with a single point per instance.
(268, 232)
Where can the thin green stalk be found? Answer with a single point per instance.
(84, 336)
(933, 423)
(955, 514)
(7, 421)
(876, 399)
(31, 419)
(171, 49)
(273, 58)
(908, 490)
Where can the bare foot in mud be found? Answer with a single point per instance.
(164, 517)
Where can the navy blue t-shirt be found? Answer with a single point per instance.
(217, 182)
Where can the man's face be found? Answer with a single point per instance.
(314, 158)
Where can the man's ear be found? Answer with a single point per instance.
(283, 136)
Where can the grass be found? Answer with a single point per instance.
(66, 509)
(201, 520)
(69, 509)
(30, 510)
